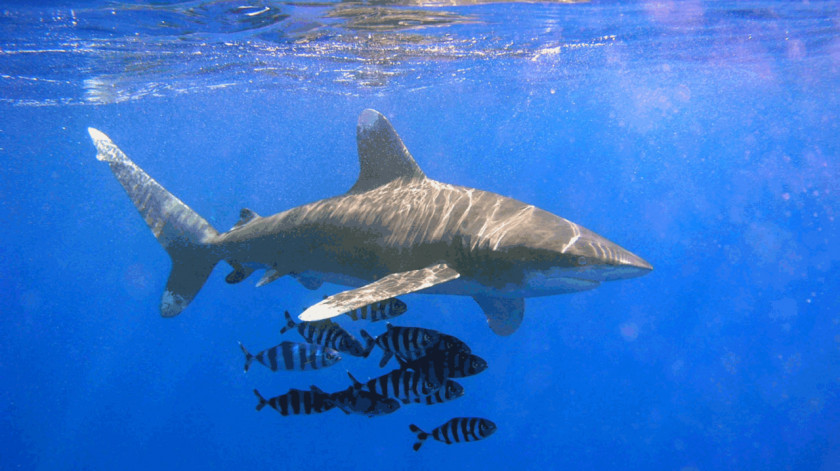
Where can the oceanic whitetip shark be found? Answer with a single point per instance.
(394, 232)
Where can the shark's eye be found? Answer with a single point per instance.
(581, 261)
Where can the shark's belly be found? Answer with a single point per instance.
(535, 285)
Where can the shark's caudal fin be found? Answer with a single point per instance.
(181, 231)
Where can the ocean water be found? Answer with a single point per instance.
(702, 136)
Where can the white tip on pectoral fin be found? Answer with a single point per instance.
(387, 287)
(98, 135)
(106, 150)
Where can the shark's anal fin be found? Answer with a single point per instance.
(386, 287)
(238, 274)
(504, 315)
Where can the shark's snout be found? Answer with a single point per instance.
(604, 260)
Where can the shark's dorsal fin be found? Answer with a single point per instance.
(383, 157)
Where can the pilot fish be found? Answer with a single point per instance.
(293, 356)
(296, 401)
(409, 343)
(449, 391)
(328, 334)
(457, 430)
(404, 385)
(438, 365)
(358, 401)
(387, 309)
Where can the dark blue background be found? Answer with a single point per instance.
(702, 137)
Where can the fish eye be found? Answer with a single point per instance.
(581, 261)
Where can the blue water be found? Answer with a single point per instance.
(702, 136)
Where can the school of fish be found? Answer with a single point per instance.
(428, 363)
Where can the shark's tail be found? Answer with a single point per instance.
(184, 234)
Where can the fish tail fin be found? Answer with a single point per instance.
(369, 343)
(186, 236)
(290, 323)
(356, 383)
(421, 436)
(384, 361)
(263, 401)
(248, 357)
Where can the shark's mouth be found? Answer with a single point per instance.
(539, 282)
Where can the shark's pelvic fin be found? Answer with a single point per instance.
(389, 286)
(308, 282)
(270, 275)
(503, 315)
(383, 157)
(184, 234)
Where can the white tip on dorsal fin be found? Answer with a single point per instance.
(383, 157)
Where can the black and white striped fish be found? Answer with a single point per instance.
(438, 365)
(457, 430)
(449, 391)
(403, 385)
(410, 343)
(328, 334)
(359, 401)
(379, 311)
(297, 401)
(448, 343)
(293, 356)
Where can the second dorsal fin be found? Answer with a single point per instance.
(245, 216)
(383, 157)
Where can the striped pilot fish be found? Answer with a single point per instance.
(449, 391)
(296, 402)
(438, 365)
(293, 356)
(328, 334)
(457, 430)
(409, 343)
(403, 385)
(359, 401)
(379, 311)
(448, 343)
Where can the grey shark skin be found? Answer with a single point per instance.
(394, 232)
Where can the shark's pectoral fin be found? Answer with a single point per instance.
(503, 315)
(389, 286)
